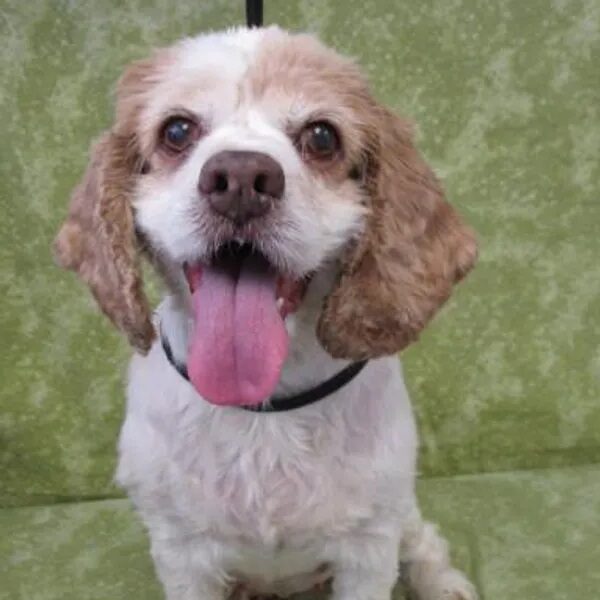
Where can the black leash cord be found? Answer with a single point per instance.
(254, 13)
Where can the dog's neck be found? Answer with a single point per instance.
(307, 364)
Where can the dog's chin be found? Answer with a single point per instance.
(239, 341)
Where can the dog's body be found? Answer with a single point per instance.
(228, 493)
(297, 228)
(279, 502)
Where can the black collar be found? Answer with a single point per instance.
(284, 403)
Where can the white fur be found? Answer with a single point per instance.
(231, 496)
(314, 221)
(277, 502)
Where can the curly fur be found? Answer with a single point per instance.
(402, 269)
(98, 240)
(238, 502)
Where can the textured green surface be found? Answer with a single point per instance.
(507, 98)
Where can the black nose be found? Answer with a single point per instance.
(241, 185)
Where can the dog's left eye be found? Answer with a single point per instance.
(178, 133)
(319, 140)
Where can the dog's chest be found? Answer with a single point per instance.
(280, 484)
(277, 483)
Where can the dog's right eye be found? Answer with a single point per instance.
(319, 140)
(178, 134)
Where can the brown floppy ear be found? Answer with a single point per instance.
(98, 239)
(402, 269)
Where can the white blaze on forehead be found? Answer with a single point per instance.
(204, 74)
(249, 129)
(238, 42)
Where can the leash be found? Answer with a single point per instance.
(254, 13)
(283, 403)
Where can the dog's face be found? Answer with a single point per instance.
(243, 140)
(244, 163)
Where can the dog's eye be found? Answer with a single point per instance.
(319, 140)
(178, 134)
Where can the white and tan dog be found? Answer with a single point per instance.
(297, 230)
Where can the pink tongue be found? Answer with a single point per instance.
(239, 341)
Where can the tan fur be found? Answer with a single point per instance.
(135, 91)
(289, 482)
(403, 268)
(98, 239)
(300, 67)
(393, 280)
(415, 247)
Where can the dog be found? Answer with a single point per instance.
(303, 242)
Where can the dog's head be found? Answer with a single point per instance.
(243, 163)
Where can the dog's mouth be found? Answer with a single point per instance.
(239, 342)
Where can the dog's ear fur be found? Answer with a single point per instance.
(98, 239)
(402, 269)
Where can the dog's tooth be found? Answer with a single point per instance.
(279, 303)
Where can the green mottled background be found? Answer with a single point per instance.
(506, 382)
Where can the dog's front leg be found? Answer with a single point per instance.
(366, 569)
(185, 572)
(181, 590)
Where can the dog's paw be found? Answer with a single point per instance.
(241, 592)
(450, 584)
